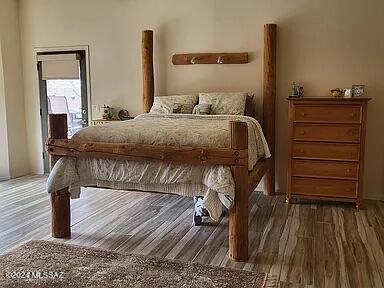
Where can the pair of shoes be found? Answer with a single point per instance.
(200, 211)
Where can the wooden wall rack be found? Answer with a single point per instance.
(210, 58)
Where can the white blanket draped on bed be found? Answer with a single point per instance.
(214, 182)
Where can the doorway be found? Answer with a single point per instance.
(63, 90)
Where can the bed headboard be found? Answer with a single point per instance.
(269, 78)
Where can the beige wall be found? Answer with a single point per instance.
(322, 44)
(13, 90)
(4, 158)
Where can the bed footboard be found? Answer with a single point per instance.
(236, 156)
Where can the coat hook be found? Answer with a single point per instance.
(193, 60)
(220, 60)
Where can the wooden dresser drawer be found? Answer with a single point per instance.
(327, 133)
(325, 169)
(328, 113)
(324, 187)
(331, 151)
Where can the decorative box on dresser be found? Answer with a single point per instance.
(326, 148)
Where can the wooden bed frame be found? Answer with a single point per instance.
(236, 156)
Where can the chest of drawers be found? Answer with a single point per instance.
(326, 148)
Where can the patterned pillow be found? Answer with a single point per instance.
(163, 104)
(250, 106)
(224, 103)
(178, 108)
(202, 109)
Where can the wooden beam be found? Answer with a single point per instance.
(147, 69)
(238, 217)
(269, 96)
(60, 201)
(210, 58)
(257, 173)
(139, 152)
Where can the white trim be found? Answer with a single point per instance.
(4, 178)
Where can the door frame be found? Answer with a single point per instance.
(67, 49)
(87, 65)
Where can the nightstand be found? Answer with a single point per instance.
(326, 148)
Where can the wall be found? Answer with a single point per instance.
(13, 110)
(4, 159)
(321, 44)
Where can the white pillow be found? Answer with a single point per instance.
(228, 103)
(202, 109)
(164, 104)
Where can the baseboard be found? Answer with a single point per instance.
(5, 178)
(278, 192)
(375, 198)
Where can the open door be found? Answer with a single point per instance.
(63, 90)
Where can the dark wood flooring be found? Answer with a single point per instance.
(298, 245)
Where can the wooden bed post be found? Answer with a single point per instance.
(147, 69)
(269, 95)
(60, 200)
(238, 218)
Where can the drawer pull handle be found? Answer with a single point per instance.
(301, 150)
(302, 113)
(348, 170)
(302, 133)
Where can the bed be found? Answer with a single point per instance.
(220, 157)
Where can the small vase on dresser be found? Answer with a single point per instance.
(326, 148)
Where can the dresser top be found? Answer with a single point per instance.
(318, 98)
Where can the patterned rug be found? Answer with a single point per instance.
(53, 264)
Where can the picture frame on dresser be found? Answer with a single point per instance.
(358, 90)
(326, 148)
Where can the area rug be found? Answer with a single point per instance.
(53, 264)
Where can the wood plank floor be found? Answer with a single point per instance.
(298, 245)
